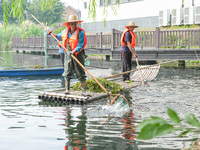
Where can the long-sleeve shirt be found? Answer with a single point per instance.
(59, 37)
(80, 42)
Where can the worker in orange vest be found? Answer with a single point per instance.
(75, 40)
(128, 42)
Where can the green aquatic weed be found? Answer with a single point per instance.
(92, 86)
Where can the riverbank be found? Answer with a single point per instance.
(175, 64)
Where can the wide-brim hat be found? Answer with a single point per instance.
(72, 18)
(131, 24)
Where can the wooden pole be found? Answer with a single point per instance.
(2, 59)
(142, 80)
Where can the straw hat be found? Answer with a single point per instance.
(72, 18)
(131, 24)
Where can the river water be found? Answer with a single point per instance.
(28, 124)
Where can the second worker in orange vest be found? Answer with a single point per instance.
(128, 42)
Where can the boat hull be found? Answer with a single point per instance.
(31, 72)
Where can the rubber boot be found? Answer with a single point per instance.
(67, 86)
(83, 85)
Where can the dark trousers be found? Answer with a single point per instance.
(71, 65)
(126, 64)
(62, 57)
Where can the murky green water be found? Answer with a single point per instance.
(28, 124)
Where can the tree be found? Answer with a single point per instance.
(13, 11)
(1, 11)
(52, 13)
(17, 9)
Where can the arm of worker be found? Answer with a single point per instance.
(132, 49)
(58, 36)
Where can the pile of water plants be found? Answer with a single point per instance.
(38, 67)
(92, 86)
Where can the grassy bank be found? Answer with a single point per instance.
(188, 64)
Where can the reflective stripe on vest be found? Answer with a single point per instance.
(133, 38)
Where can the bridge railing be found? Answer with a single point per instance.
(188, 38)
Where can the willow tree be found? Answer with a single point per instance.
(16, 9)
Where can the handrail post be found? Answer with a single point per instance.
(157, 38)
(45, 43)
(97, 37)
(112, 40)
(100, 40)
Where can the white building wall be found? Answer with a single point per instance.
(138, 9)
(196, 2)
(188, 3)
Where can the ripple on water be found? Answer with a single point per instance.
(98, 124)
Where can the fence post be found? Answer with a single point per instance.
(100, 40)
(45, 43)
(157, 38)
(112, 40)
(96, 39)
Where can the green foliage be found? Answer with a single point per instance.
(153, 127)
(1, 12)
(47, 13)
(173, 116)
(92, 86)
(191, 120)
(59, 29)
(13, 11)
(92, 9)
(38, 67)
(6, 36)
(192, 61)
(156, 126)
(27, 29)
(16, 11)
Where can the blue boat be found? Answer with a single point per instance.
(31, 72)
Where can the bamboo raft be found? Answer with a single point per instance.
(75, 97)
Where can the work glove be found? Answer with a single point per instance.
(49, 31)
(134, 55)
(72, 52)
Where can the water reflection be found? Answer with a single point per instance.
(129, 127)
(18, 60)
(76, 129)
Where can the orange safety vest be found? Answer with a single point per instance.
(73, 40)
(133, 39)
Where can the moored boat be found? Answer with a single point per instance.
(31, 72)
